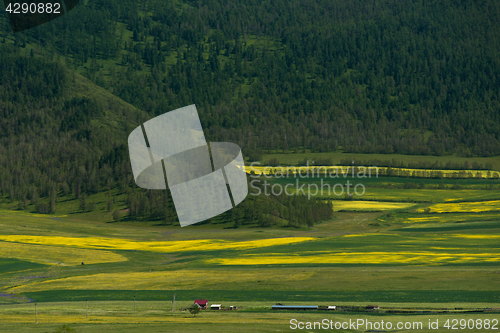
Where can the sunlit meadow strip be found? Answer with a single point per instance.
(365, 171)
(361, 258)
(159, 280)
(465, 207)
(53, 255)
(368, 205)
(154, 246)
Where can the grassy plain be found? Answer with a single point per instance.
(105, 317)
(396, 246)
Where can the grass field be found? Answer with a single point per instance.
(429, 248)
(154, 317)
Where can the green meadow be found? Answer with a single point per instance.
(412, 250)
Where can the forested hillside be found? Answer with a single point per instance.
(53, 138)
(409, 77)
(63, 138)
(412, 77)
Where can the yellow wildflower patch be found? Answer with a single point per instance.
(422, 219)
(446, 248)
(464, 207)
(368, 205)
(369, 234)
(361, 258)
(56, 255)
(477, 236)
(373, 171)
(332, 171)
(153, 246)
(444, 218)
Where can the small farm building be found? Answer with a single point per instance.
(202, 303)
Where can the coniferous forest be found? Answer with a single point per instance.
(411, 77)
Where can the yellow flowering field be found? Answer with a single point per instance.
(424, 257)
(312, 170)
(426, 173)
(447, 218)
(153, 246)
(421, 238)
(465, 207)
(347, 170)
(160, 280)
(424, 219)
(368, 205)
(56, 255)
(477, 236)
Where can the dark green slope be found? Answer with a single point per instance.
(66, 144)
(59, 132)
(409, 77)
